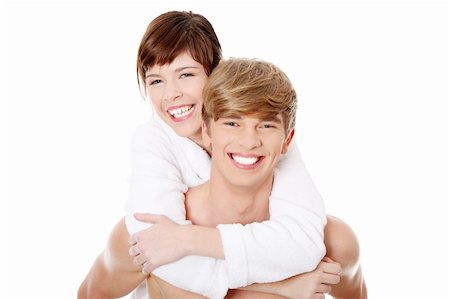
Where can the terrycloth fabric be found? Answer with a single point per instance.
(164, 165)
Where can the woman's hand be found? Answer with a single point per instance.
(160, 244)
(313, 284)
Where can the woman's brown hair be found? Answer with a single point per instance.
(174, 32)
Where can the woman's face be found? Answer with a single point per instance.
(175, 90)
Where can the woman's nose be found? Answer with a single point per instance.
(171, 92)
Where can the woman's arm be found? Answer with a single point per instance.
(161, 164)
(166, 242)
(304, 286)
(312, 285)
(155, 184)
(289, 244)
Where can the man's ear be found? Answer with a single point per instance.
(287, 141)
(205, 136)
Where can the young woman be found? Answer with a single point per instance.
(177, 54)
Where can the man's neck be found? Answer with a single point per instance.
(218, 202)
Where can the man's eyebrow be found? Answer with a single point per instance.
(232, 116)
(177, 70)
(274, 118)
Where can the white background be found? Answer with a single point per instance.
(373, 127)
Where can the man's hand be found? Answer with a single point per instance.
(160, 244)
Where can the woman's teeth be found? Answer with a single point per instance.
(180, 111)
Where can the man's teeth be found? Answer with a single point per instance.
(245, 160)
(180, 111)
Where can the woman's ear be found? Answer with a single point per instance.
(287, 141)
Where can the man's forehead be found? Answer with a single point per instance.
(256, 116)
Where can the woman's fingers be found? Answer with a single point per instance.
(332, 268)
(331, 278)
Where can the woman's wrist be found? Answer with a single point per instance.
(187, 240)
(201, 240)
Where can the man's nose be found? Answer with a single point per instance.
(249, 139)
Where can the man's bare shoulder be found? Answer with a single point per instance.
(196, 209)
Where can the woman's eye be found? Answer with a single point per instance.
(186, 75)
(155, 82)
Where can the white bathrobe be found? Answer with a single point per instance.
(165, 165)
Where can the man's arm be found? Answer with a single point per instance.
(113, 273)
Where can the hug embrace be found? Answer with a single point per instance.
(221, 204)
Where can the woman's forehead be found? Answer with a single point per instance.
(181, 61)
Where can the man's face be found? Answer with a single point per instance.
(245, 150)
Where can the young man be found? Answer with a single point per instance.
(248, 123)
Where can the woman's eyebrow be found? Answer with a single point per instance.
(177, 70)
(180, 69)
(151, 75)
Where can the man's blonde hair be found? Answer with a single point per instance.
(242, 87)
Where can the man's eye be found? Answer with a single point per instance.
(268, 126)
(231, 124)
(186, 75)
